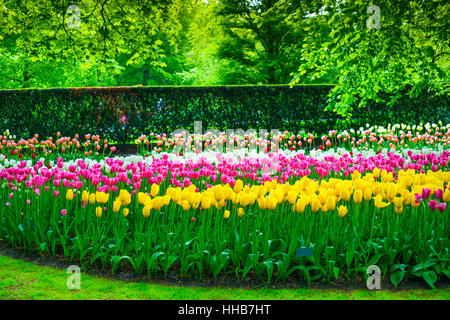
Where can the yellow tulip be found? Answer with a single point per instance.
(158, 203)
(262, 203)
(446, 196)
(154, 190)
(399, 210)
(292, 196)
(69, 195)
(125, 211)
(315, 204)
(376, 172)
(342, 211)
(101, 197)
(142, 197)
(92, 198)
(99, 212)
(323, 196)
(271, 203)
(238, 186)
(206, 203)
(241, 212)
(368, 194)
(166, 200)
(116, 205)
(186, 206)
(357, 196)
(300, 205)
(398, 202)
(391, 191)
(378, 201)
(331, 203)
(226, 214)
(218, 192)
(125, 197)
(346, 193)
(146, 211)
(85, 196)
(356, 175)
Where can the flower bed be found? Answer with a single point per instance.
(239, 214)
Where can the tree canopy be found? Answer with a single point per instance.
(376, 51)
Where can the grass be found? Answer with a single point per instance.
(24, 280)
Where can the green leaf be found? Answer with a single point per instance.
(397, 277)
(430, 277)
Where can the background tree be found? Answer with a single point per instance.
(409, 53)
(263, 39)
(37, 35)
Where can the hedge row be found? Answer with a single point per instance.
(124, 113)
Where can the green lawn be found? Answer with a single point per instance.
(24, 280)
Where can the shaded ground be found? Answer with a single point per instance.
(229, 282)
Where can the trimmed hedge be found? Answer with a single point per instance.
(164, 109)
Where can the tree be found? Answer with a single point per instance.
(37, 35)
(407, 53)
(262, 39)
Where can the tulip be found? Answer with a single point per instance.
(398, 202)
(154, 190)
(69, 195)
(342, 211)
(357, 196)
(399, 210)
(426, 193)
(379, 203)
(146, 211)
(439, 194)
(85, 196)
(433, 204)
(446, 195)
(442, 206)
(99, 212)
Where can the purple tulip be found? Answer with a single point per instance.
(439, 194)
(442, 206)
(433, 204)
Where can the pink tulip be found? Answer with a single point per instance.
(442, 206)
(433, 204)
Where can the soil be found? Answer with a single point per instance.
(125, 149)
(229, 282)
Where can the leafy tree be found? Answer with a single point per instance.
(38, 35)
(262, 41)
(407, 53)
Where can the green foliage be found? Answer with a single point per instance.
(261, 244)
(262, 40)
(42, 45)
(125, 113)
(409, 50)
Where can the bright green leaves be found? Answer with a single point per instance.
(378, 64)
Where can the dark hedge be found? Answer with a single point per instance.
(164, 109)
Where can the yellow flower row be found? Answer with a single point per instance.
(321, 195)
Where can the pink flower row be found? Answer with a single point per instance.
(184, 173)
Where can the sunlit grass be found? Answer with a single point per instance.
(24, 280)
